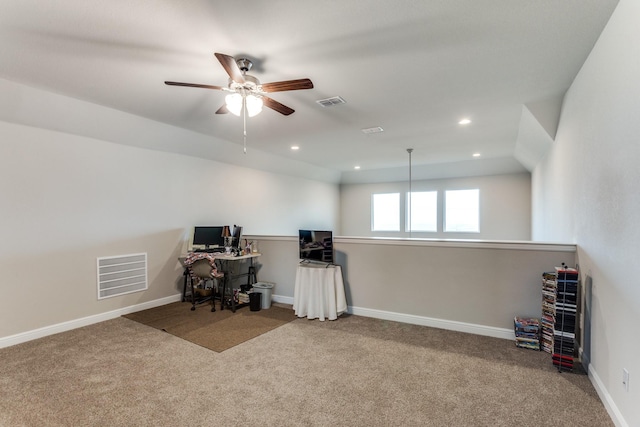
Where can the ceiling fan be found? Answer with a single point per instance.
(246, 90)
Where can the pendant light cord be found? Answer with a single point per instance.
(409, 150)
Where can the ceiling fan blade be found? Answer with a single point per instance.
(287, 85)
(275, 105)
(222, 110)
(194, 85)
(230, 66)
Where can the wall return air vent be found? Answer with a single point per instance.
(330, 102)
(122, 274)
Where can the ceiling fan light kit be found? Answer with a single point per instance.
(254, 105)
(248, 93)
(235, 101)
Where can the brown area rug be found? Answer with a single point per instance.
(217, 331)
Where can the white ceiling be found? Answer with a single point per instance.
(414, 68)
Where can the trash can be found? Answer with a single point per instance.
(265, 289)
(255, 299)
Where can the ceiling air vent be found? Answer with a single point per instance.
(376, 129)
(330, 102)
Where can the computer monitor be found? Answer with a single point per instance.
(316, 245)
(207, 237)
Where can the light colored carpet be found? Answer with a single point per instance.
(354, 371)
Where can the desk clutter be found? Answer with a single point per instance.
(257, 297)
(210, 276)
(241, 297)
(220, 239)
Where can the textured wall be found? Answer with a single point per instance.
(586, 191)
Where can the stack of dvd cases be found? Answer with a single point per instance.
(564, 331)
(548, 319)
(527, 332)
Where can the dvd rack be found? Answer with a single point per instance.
(564, 331)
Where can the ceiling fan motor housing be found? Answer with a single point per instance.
(244, 64)
(250, 83)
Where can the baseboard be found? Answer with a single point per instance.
(605, 397)
(281, 299)
(451, 325)
(366, 312)
(421, 320)
(85, 321)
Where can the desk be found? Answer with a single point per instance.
(223, 261)
(319, 292)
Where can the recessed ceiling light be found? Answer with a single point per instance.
(476, 154)
(295, 147)
(464, 122)
(356, 167)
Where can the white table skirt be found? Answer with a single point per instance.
(319, 292)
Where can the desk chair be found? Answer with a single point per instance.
(201, 270)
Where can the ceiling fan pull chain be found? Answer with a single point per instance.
(244, 122)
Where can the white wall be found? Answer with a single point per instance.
(475, 287)
(505, 206)
(586, 191)
(67, 199)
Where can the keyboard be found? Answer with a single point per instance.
(211, 250)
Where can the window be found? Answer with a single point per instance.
(462, 211)
(423, 211)
(385, 212)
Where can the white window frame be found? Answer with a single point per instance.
(413, 215)
(454, 208)
(389, 199)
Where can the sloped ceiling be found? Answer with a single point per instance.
(414, 68)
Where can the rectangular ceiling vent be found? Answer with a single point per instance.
(330, 102)
(369, 131)
(122, 274)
